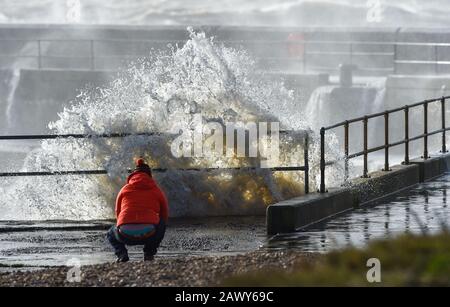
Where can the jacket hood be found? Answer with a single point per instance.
(141, 179)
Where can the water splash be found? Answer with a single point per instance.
(325, 107)
(13, 84)
(318, 108)
(379, 103)
(151, 96)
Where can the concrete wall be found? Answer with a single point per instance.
(403, 90)
(40, 95)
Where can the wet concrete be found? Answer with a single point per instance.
(423, 208)
(28, 245)
(297, 213)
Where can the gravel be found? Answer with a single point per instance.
(181, 271)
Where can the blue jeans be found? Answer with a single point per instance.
(151, 244)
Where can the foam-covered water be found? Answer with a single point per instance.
(160, 94)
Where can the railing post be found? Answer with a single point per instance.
(444, 145)
(425, 130)
(406, 162)
(304, 56)
(92, 56)
(365, 171)
(436, 58)
(306, 163)
(351, 53)
(39, 54)
(322, 160)
(395, 58)
(346, 149)
(386, 142)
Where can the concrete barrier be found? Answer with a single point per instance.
(432, 167)
(382, 184)
(300, 212)
(290, 215)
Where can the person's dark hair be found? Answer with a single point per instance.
(141, 166)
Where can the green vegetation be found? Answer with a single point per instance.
(408, 260)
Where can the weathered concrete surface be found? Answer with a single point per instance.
(402, 89)
(296, 213)
(432, 167)
(381, 184)
(40, 94)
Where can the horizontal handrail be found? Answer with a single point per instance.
(422, 62)
(93, 53)
(239, 41)
(389, 111)
(304, 168)
(75, 136)
(89, 136)
(394, 144)
(158, 170)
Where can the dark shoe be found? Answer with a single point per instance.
(122, 258)
(148, 257)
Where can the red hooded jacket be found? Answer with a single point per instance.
(141, 201)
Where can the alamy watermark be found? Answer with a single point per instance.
(74, 273)
(232, 139)
(374, 11)
(374, 273)
(73, 11)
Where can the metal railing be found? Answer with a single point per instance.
(390, 52)
(92, 54)
(304, 168)
(366, 150)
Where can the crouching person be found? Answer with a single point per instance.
(142, 214)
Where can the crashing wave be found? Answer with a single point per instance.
(152, 95)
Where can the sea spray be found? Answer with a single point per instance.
(151, 96)
(13, 84)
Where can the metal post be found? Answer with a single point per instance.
(322, 160)
(406, 162)
(386, 142)
(39, 55)
(351, 53)
(365, 171)
(92, 58)
(425, 130)
(444, 146)
(304, 56)
(306, 163)
(436, 58)
(346, 149)
(395, 58)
